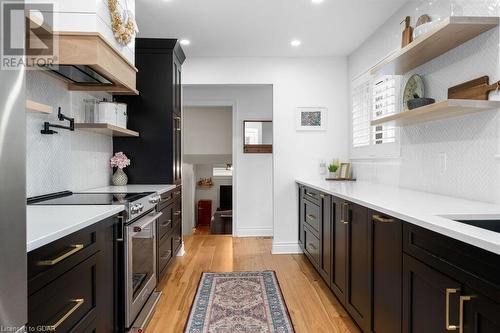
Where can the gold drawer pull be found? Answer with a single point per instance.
(311, 195)
(312, 246)
(463, 299)
(78, 302)
(381, 219)
(166, 224)
(167, 255)
(177, 213)
(448, 292)
(311, 217)
(177, 193)
(75, 248)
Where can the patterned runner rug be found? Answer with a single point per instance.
(239, 302)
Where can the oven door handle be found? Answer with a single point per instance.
(140, 225)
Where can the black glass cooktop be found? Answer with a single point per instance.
(70, 198)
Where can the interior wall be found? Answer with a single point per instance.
(188, 198)
(296, 82)
(67, 160)
(208, 130)
(470, 144)
(252, 174)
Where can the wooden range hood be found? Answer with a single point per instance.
(92, 50)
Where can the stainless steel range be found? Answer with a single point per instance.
(136, 248)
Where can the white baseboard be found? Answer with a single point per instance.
(181, 252)
(286, 248)
(254, 232)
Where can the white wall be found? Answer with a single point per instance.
(208, 130)
(296, 82)
(253, 176)
(471, 143)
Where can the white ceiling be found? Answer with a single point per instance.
(249, 28)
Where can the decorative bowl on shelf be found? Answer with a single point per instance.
(419, 102)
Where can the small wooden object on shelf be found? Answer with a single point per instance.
(106, 129)
(477, 89)
(407, 35)
(205, 183)
(33, 106)
(342, 179)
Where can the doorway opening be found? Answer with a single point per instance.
(208, 169)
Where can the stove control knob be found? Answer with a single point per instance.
(154, 199)
(140, 207)
(134, 209)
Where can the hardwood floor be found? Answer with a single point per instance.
(312, 306)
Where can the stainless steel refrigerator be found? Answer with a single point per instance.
(13, 267)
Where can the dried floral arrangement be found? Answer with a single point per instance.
(123, 31)
(120, 161)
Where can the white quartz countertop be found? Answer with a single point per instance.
(46, 224)
(160, 189)
(430, 211)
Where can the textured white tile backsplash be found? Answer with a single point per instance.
(67, 160)
(470, 143)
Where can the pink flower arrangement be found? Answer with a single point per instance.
(120, 161)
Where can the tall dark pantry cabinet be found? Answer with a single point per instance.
(155, 114)
(156, 154)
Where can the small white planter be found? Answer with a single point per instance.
(332, 175)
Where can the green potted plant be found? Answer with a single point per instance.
(332, 169)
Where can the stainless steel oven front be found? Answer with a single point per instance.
(140, 264)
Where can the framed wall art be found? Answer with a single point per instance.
(311, 119)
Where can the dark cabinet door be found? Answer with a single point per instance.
(387, 262)
(339, 249)
(325, 236)
(301, 218)
(430, 298)
(478, 313)
(177, 146)
(358, 296)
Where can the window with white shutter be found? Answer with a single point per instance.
(373, 98)
(361, 109)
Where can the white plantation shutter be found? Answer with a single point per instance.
(361, 109)
(385, 103)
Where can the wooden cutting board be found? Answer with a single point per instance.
(477, 89)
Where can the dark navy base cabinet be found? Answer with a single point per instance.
(393, 276)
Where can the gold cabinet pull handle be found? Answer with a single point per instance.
(463, 299)
(166, 224)
(311, 195)
(51, 262)
(345, 217)
(448, 292)
(312, 246)
(381, 219)
(177, 213)
(78, 302)
(311, 217)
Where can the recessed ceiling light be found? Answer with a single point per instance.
(185, 42)
(317, 1)
(295, 42)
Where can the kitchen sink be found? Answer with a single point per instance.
(492, 225)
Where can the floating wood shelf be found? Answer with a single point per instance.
(446, 109)
(32, 106)
(107, 129)
(446, 35)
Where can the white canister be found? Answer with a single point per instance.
(106, 113)
(121, 115)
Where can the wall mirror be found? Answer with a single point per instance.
(258, 136)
